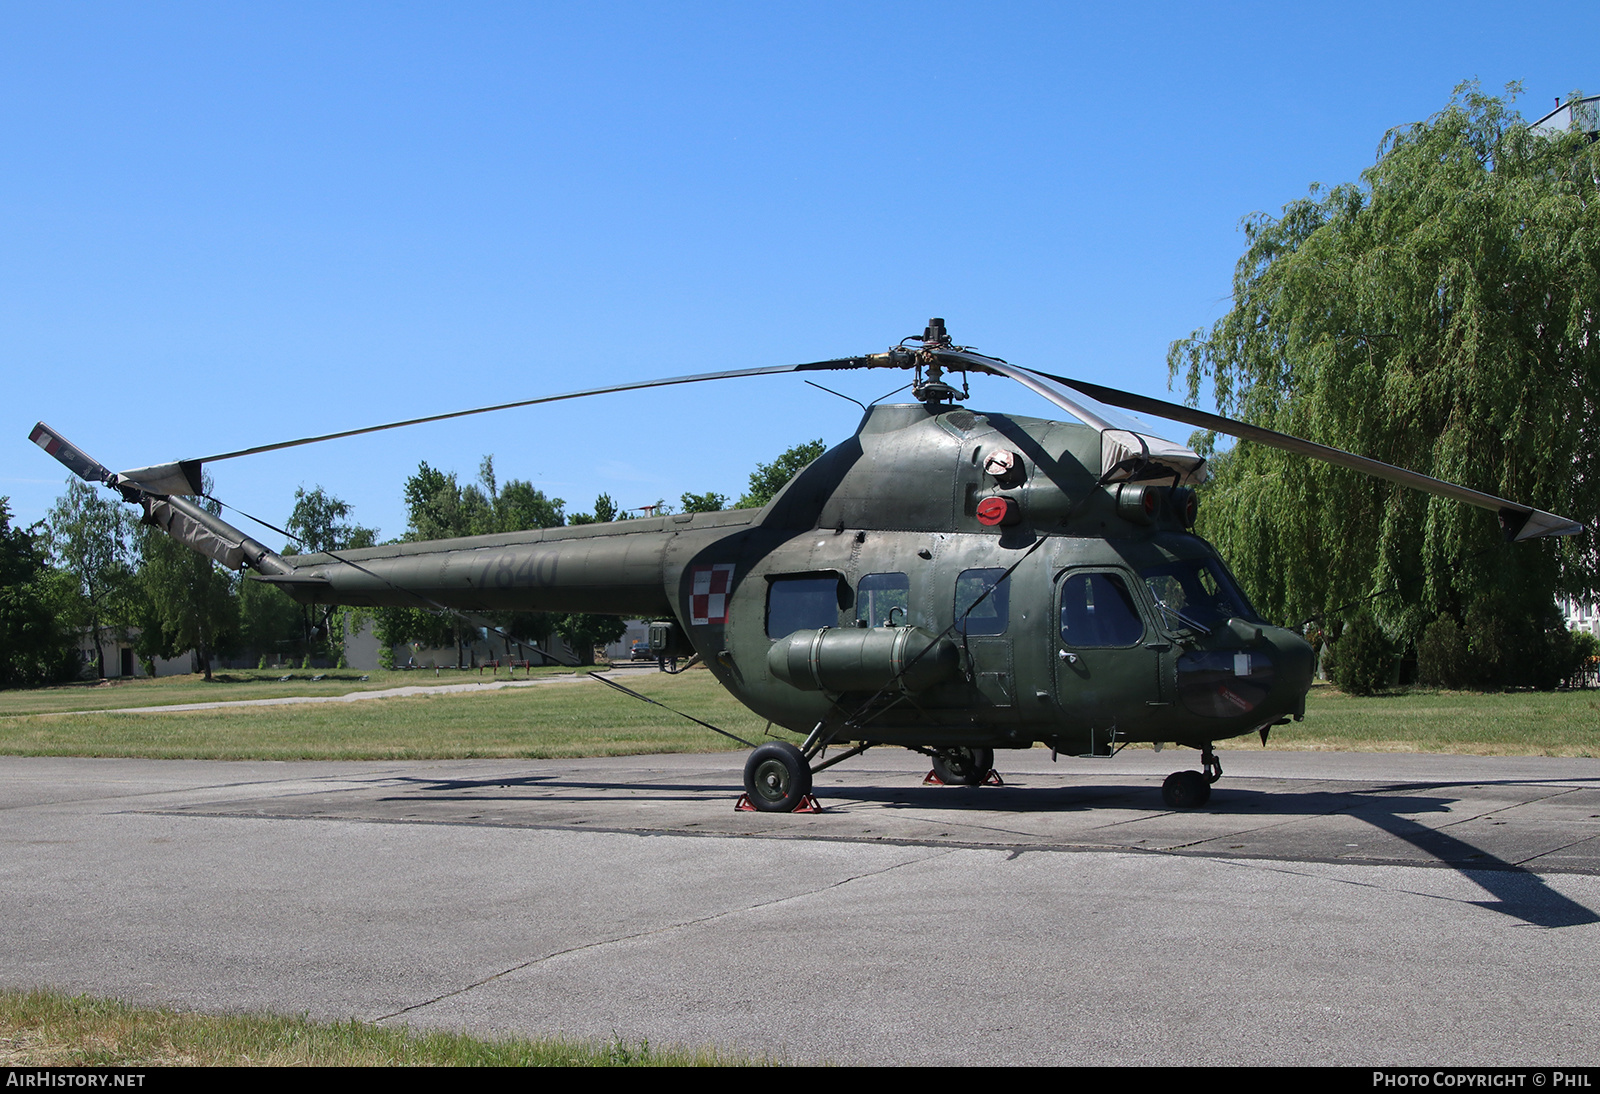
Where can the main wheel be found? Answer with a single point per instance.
(777, 777)
(1186, 790)
(963, 766)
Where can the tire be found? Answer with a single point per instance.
(777, 777)
(1185, 790)
(963, 766)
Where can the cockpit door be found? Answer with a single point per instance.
(1109, 669)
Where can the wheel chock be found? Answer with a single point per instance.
(808, 804)
(991, 779)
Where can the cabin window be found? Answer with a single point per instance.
(880, 594)
(977, 613)
(1098, 611)
(801, 604)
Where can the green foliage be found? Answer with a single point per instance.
(438, 507)
(1439, 316)
(318, 523)
(1585, 660)
(704, 503)
(1362, 659)
(768, 478)
(34, 648)
(92, 540)
(605, 511)
(190, 602)
(584, 632)
(270, 623)
(1444, 658)
(419, 626)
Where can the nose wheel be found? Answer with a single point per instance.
(1192, 789)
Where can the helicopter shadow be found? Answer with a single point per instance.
(1516, 891)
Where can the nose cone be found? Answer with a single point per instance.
(1253, 675)
(1295, 660)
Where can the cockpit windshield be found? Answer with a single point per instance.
(1198, 593)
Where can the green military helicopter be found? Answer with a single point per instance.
(948, 581)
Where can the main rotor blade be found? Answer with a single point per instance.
(873, 361)
(1028, 378)
(1520, 521)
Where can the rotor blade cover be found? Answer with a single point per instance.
(1127, 449)
(210, 536)
(178, 477)
(1127, 455)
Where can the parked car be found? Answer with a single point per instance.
(641, 651)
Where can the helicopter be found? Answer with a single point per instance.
(946, 580)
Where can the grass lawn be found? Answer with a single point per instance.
(1524, 723)
(567, 716)
(230, 684)
(561, 718)
(52, 1029)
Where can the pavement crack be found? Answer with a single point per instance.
(1551, 851)
(1563, 791)
(666, 928)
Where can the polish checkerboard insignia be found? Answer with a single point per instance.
(708, 596)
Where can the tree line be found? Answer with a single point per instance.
(91, 569)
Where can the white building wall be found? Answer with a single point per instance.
(622, 649)
(1581, 615)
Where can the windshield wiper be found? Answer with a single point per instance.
(1181, 618)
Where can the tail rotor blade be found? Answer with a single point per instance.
(74, 458)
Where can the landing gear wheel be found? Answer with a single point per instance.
(963, 766)
(777, 777)
(1186, 790)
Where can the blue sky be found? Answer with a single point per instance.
(225, 225)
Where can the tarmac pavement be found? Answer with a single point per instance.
(1323, 908)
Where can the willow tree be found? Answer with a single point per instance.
(1443, 314)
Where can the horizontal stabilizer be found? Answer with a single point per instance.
(293, 579)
